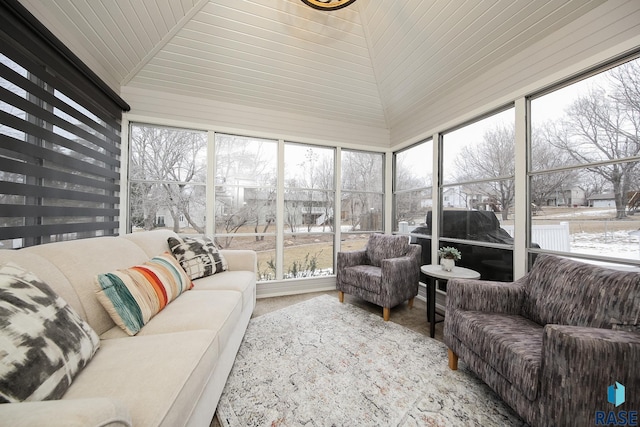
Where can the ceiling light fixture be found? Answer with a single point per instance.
(328, 4)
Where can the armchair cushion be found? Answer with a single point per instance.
(364, 276)
(513, 343)
(381, 246)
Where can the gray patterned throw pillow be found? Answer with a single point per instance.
(198, 256)
(44, 343)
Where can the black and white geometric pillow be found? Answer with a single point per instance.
(44, 343)
(199, 257)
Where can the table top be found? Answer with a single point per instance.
(457, 272)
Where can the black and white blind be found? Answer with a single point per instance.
(59, 139)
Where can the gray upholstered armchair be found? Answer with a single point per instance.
(551, 343)
(386, 273)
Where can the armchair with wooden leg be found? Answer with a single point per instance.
(385, 273)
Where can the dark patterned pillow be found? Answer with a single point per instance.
(198, 256)
(44, 343)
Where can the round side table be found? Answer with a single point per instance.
(435, 273)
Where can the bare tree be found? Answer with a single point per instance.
(165, 164)
(603, 125)
(361, 179)
(494, 157)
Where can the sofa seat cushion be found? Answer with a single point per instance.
(363, 276)
(240, 281)
(511, 344)
(217, 311)
(159, 377)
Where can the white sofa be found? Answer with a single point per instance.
(173, 371)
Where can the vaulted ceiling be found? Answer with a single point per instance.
(369, 64)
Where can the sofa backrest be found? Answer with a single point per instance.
(567, 292)
(384, 246)
(70, 267)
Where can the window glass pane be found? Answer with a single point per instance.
(576, 211)
(362, 191)
(308, 255)
(411, 209)
(308, 167)
(246, 161)
(308, 210)
(361, 212)
(593, 120)
(480, 150)
(168, 176)
(241, 209)
(413, 167)
(180, 207)
(362, 171)
(412, 197)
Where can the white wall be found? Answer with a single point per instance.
(181, 110)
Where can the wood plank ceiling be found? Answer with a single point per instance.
(368, 64)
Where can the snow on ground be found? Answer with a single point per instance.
(618, 244)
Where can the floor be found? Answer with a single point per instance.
(414, 318)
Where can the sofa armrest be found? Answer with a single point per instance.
(241, 259)
(578, 366)
(95, 412)
(485, 295)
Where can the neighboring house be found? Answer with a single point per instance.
(604, 200)
(567, 197)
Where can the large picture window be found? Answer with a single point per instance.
(246, 175)
(585, 166)
(167, 179)
(309, 194)
(362, 197)
(412, 187)
(478, 193)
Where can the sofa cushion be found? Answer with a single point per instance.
(568, 292)
(134, 295)
(198, 256)
(218, 311)
(240, 281)
(44, 343)
(383, 246)
(509, 343)
(160, 378)
(363, 276)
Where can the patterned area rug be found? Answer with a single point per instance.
(322, 363)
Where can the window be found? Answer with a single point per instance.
(585, 166)
(245, 197)
(167, 179)
(478, 169)
(362, 197)
(59, 139)
(412, 187)
(309, 194)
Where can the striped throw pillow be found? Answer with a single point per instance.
(134, 295)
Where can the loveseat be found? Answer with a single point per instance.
(170, 373)
(552, 343)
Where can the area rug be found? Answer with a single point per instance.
(323, 363)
